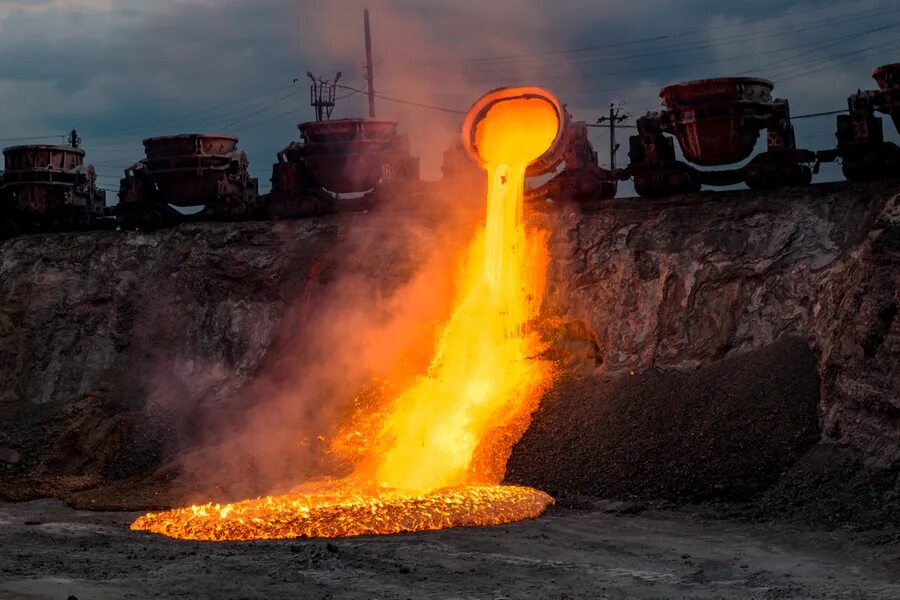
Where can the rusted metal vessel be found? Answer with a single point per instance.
(48, 188)
(581, 177)
(348, 155)
(861, 147)
(888, 79)
(189, 170)
(344, 156)
(717, 122)
(550, 159)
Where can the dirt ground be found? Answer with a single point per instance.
(604, 551)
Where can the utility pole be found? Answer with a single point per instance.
(370, 67)
(322, 96)
(614, 117)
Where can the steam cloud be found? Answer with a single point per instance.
(345, 338)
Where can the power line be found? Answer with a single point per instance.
(347, 96)
(354, 91)
(271, 118)
(790, 64)
(841, 20)
(233, 118)
(268, 107)
(820, 6)
(33, 138)
(818, 45)
(790, 69)
(829, 63)
(291, 110)
(815, 46)
(407, 102)
(210, 109)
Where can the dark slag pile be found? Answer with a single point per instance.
(724, 431)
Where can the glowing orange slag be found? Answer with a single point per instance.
(434, 456)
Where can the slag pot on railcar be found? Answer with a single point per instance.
(343, 156)
(52, 183)
(888, 79)
(717, 121)
(547, 162)
(195, 169)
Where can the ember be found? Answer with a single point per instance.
(436, 453)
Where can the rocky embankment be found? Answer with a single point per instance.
(706, 344)
(682, 283)
(727, 333)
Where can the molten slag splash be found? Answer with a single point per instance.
(434, 456)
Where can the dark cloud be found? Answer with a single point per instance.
(120, 70)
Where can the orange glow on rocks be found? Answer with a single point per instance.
(434, 456)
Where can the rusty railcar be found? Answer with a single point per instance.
(49, 188)
(888, 79)
(861, 147)
(717, 122)
(188, 170)
(343, 156)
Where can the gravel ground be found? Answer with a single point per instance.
(54, 552)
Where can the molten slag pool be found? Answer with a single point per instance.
(438, 451)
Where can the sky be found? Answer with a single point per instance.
(123, 70)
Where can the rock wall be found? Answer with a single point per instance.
(100, 331)
(83, 313)
(119, 349)
(684, 282)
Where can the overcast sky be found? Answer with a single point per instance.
(122, 70)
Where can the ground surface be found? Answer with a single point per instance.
(50, 551)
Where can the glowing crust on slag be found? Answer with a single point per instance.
(343, 514)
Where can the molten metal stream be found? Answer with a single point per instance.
(437, 453)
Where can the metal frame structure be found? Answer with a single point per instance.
(185, 171)
(49, 188)
(860, 133)
(717, 122)
(344, 156)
